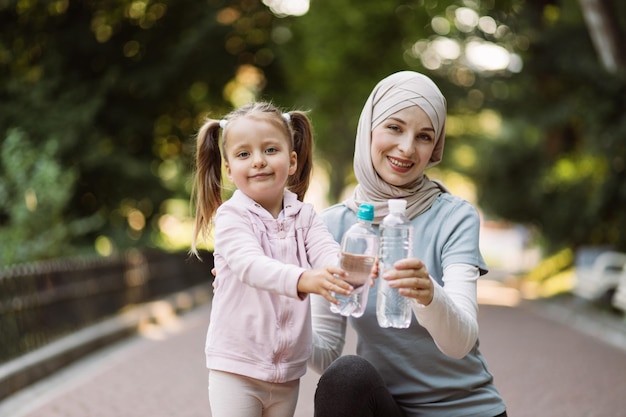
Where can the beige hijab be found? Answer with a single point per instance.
(394, 93)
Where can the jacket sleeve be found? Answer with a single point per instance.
(246, 259)
(321, 247)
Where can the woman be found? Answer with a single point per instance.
(434, 367)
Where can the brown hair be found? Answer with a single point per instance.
(207, 186)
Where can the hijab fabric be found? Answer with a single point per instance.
(392, 94)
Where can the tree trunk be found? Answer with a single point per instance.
(605, 33)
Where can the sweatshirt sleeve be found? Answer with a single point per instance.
(246, 259)
(452, 317)
(329, 334)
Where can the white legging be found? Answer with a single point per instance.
(232, 395)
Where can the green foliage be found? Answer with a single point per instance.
(34, 192)
(339, 50)
(569, 179)
(121, 87)
(111, 93)
(558, 159)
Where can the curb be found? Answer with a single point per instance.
(38, 364)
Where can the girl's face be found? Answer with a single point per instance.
(259, 161)
(402, 146)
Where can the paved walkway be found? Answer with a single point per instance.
(541, 366)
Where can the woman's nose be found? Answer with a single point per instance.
(405, 144)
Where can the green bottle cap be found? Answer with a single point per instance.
(366, 212)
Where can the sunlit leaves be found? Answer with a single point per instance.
(288, 7)
(574, 169)
(34, 191)
(466, 38)
(245, 87)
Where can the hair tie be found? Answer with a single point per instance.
(223, 123)
(287, 117)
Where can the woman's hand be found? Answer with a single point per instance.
(411, 278)
(374, 273)
(324, 281)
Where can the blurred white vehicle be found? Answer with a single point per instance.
(598, 273)
(619, 298)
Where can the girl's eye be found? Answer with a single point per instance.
(271, 150)
(242, 154)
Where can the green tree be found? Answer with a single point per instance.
(113, 91)
(34, 192)
(560, 164)
(543, 137)
(117, 88)
(337, 52)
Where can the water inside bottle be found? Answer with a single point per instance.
(359, 269)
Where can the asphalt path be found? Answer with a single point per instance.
(542, 367)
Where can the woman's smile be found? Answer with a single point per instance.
(398, 163)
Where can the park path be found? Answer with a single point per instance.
(542, 366)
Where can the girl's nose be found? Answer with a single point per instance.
(258, 160)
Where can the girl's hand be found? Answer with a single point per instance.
(324, 281)
(411, 278)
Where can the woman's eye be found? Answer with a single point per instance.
(395, 128)
(425, 138)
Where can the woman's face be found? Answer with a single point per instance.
(402, 146)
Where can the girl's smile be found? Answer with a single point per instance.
(260, 177)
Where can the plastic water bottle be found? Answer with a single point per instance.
(359, 249)
(396, 242)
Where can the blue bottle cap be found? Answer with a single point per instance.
(366, 212)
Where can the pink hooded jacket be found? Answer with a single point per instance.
(259, 325)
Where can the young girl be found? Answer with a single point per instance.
(266, 238)
(433, 368)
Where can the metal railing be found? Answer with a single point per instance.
(43, 301)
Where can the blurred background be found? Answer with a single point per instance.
(100, 100)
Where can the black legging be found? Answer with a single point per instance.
(352, 387)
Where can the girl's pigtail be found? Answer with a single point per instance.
(207, 189)
(303, 146)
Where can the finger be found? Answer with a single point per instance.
(393, 273)
(396, 274)
(411, 282)
(413, 292)
(329, 296)
(408, 263)
(335, 270)
(342, 287)
(423, 296)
